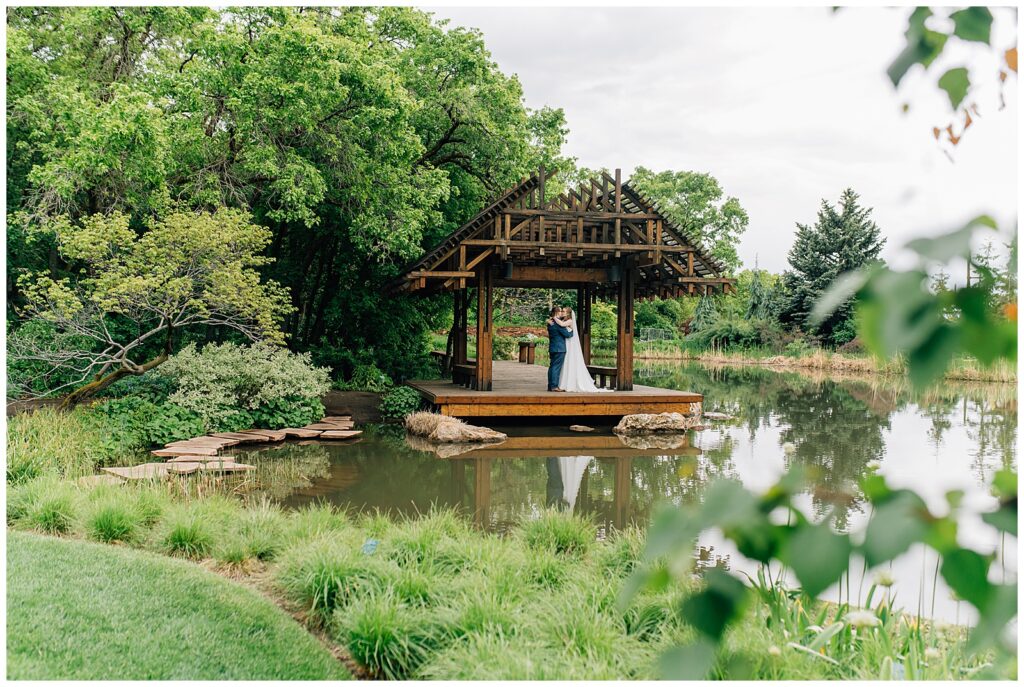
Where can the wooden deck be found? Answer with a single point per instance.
(520, 391)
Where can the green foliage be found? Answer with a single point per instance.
(228, 386)
(358, 136)
(705, 315)
(49, 441)
(133, 422)
(817, 556)
(603, 320)
(694, 201)
(900, 314)
(661, 313)
(559, 534)
(188, 269)
(505, 347)
(399, 402)
(111, 521)
(186, 533)
(367, 378)
(843, 239)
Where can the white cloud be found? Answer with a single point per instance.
(784, 106)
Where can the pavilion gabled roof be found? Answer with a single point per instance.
(586, 234)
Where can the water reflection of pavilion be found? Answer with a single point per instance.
(568, 463)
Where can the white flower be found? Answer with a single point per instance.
(931, 653)
(788, 448)
(884, 578)
(774, 651)
(862, 619)
(872, 465)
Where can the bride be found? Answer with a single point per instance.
(575, 376)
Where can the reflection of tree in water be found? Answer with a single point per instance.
(993, 431)
(831, 430)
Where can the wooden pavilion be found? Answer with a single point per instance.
(604, 238)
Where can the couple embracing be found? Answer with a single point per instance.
(567, 370)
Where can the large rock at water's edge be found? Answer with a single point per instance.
(449, 430)
(647, 423)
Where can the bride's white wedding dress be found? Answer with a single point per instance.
(575, 376)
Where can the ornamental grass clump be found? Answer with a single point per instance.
(389, 639)
(325, 575)
(185, 533)
(46, 505)
(112, 521)
(560, 533)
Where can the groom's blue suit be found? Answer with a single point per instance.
(557, 334)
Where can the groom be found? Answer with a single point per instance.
(557, 334)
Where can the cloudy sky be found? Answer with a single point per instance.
(784, 106)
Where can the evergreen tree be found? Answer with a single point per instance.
(843, 238)
(705, 315)
(760, 305)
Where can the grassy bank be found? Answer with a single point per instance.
(433, 598)
(82, 611)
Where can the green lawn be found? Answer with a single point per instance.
(83, 611)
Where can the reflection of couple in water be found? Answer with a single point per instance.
(564, 477)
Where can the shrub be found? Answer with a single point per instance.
(367, 378)
(290, 411)
(505, 348)
(47, 504)
(326, 575)
(186, 534)
(559, 533)
(224, 380)
(52, 513)
(261, 531)
(400, 402)
(389, 640)
(133, 423)
(111, 521)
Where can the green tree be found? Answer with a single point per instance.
(705, 315)
(844, 238)
(697, 203)
(358, 136)
(133, 294)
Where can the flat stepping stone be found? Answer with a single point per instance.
(272, 434)
(340, 434)
(205, 441)
(195, 459)
(183, 468)
(144, 471)
(329, 426)
(337, 418)
(186, 451)
(301, 432)
(96, 480)
(242, 437)
(225, 466)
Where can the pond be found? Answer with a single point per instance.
(952, 437)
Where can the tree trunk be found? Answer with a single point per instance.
(97, 385)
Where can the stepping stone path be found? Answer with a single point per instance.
(200, 454)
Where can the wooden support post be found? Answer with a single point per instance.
(583, 319)
(484, 327)
(624, 344)
(621, 492)
(461, 345)
(482, 492)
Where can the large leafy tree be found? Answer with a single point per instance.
(357, 135)
(132, 295)
(696, 201)
(844, 238)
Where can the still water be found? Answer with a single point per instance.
(953, 437)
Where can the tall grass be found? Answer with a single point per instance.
(52, 441)
(430, 597)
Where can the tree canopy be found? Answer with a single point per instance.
(696, 202)
(356, 135)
